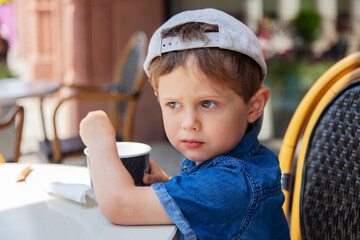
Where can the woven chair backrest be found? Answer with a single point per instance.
(13, 120)
(130, 70)
(128, 81)
(330, 190)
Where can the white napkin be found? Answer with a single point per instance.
(71, 191)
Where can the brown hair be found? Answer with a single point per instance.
(229, 68)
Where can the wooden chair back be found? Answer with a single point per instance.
(122, 94)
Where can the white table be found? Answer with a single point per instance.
(12, 89)
(28, 212)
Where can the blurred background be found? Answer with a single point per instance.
(79, 41)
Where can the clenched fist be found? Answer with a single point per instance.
(96, 128)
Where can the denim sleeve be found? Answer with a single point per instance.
(214, 203)
(173, 211)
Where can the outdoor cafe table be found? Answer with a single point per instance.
(28, 212)
(12, 89)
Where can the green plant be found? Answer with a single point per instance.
(306, 71)
(5, 72)
(307, 23)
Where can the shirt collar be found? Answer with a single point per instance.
(248, 145)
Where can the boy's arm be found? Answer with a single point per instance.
(120, 201)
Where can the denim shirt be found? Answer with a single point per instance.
(234, 196)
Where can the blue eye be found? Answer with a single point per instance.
(208, 104)
(174, 105)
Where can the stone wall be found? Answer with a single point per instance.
(79, 41)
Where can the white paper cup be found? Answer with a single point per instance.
(134, 156)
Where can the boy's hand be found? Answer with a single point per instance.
(96, 127)
(156, 174)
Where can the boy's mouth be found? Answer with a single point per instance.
(190, 143)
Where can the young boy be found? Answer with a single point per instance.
(206, 68)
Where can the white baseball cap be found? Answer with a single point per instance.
(233, 35)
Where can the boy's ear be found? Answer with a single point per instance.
(257, 104)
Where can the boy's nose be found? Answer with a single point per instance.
(191, 122)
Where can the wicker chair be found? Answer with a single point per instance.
(122, 94)
(324, 194)
(14, 116)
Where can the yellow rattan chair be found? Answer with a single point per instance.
(122, 94)
(326, 188)
(14, 116)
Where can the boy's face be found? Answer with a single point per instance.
(201, 120)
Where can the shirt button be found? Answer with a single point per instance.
(185, 168)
